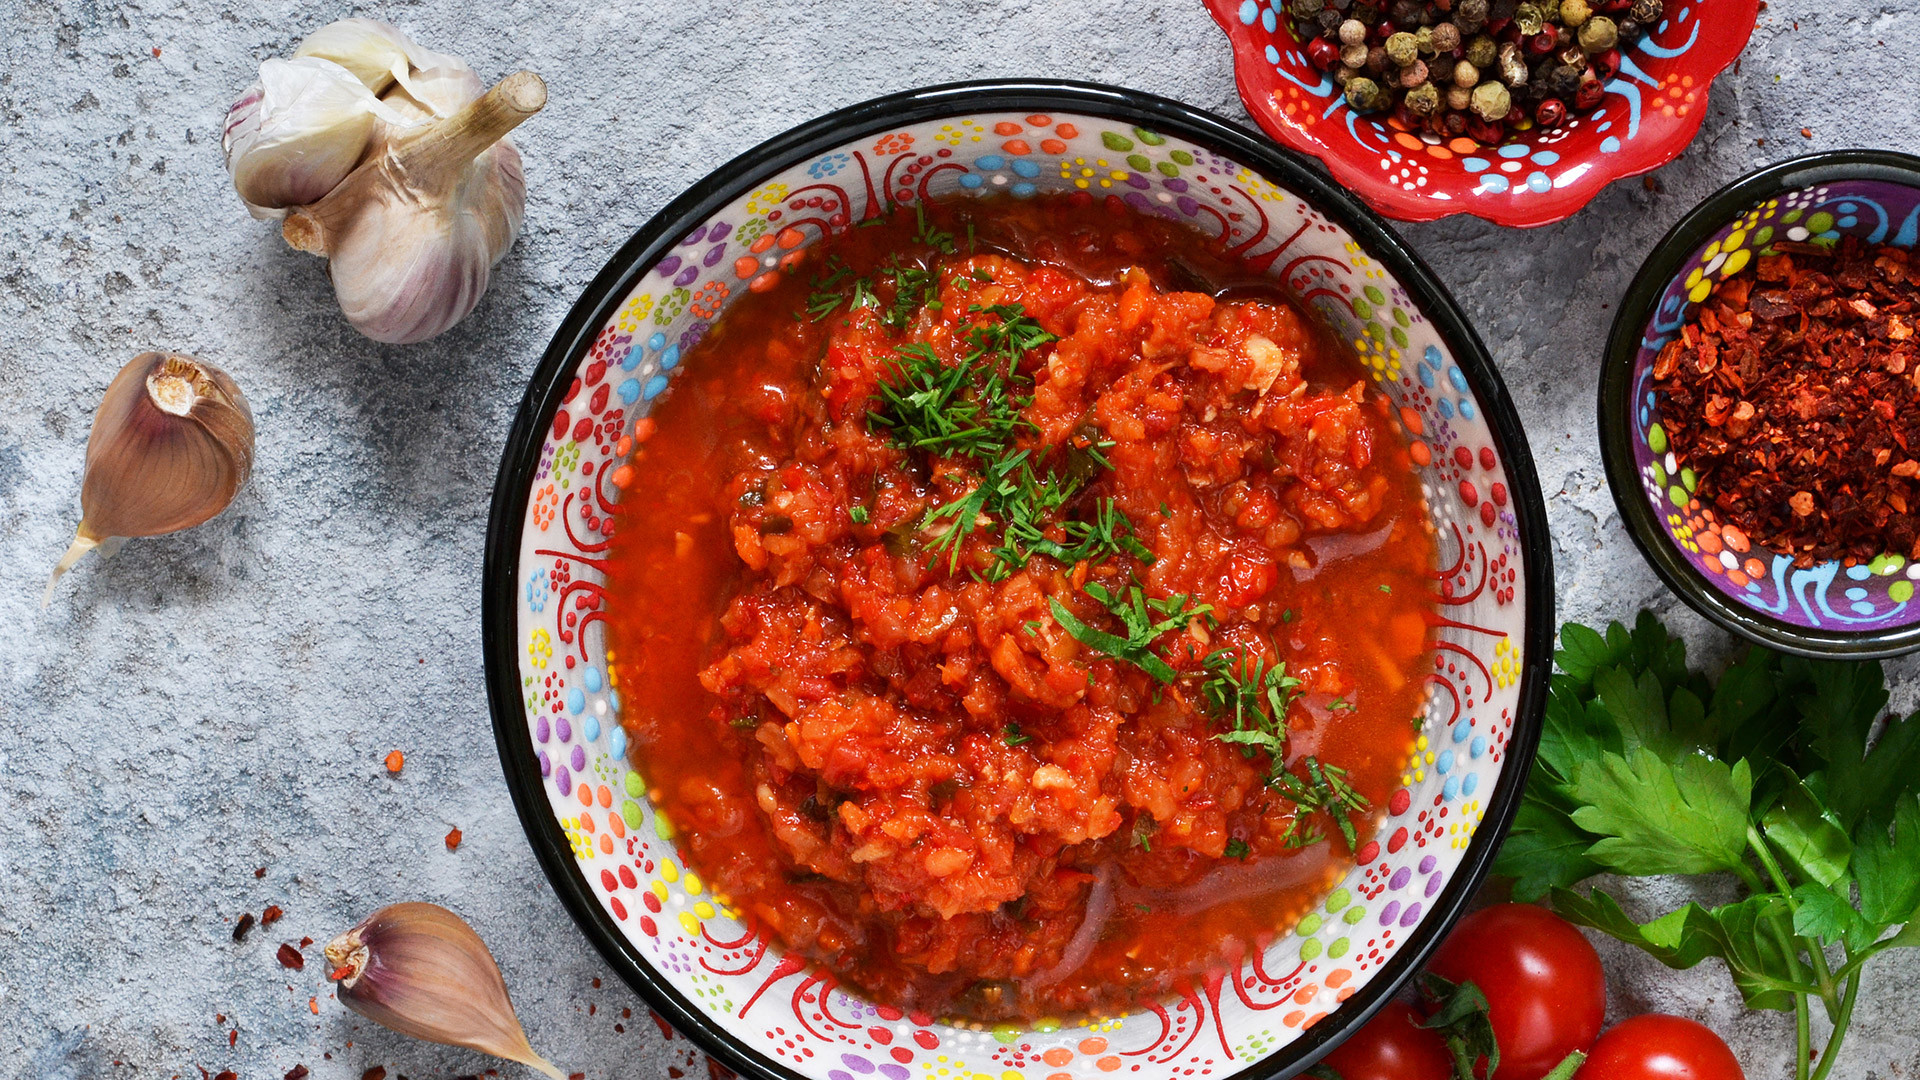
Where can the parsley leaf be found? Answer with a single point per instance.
(1237, 849)
(1320, 787)
(1253, 693)
(1686, 815)
(1014, 735)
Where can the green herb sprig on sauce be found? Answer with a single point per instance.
(1254, 694)
(1144, 619)
(1320, 787)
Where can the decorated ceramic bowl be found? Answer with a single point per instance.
(556, 709)
(1829, 609)
(1652, 109)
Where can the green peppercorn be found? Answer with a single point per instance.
(1353, 32)
(1423, 40)
(1365, 95)
(1574, 12)
(1492, 101)
(1422, 100)
(1446, 37)
(1482, 51)
(1403, 48)
(1598, 34)
(1530, 19)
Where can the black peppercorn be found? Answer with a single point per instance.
(1328, 21)
(1306, 9)
(1455, 123)
(1377, 61)
(1470, 15)
(1647, 12)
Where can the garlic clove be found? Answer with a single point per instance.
(435, 92)
(414, 232)
(377, 53)
(422, 971)
(298, 132)
(171, 445)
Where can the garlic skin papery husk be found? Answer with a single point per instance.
(172, 443)
(433, 198)
(414, 232)
(421, 970)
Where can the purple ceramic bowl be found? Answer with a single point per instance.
(1830, 609)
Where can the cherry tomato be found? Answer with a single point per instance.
(1546, 994)
(1393, 1046)
(1659, 1047)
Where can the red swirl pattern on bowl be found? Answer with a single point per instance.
(1652, 109)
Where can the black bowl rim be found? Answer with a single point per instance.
(610, 286)
(1615, 409)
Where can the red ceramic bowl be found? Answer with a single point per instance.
(1651, 112)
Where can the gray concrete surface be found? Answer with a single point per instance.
(220, 701)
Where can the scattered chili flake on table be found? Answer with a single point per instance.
(378, 1072)
(395, 760)
(1793, 394)
(240, 928)
(290, 957)
(453, 839)
(271, 915)
(298, 1072)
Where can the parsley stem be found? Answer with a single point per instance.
(1802, 1034)
(1822, 974)
(1831, 1053)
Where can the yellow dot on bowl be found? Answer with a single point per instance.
(1699, 293)
(1735, 261)
(1734, 240)
(669, 871)
(703, 909)
(693, 885)
(660, 889)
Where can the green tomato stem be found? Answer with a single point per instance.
(1802, 1037)
(1567, 1067)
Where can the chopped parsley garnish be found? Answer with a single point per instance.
(827, 297)
(1341, 704)
(1015, 736)
(927, 233)
(1012, 337)
(913, 290)
(962, 409)
(859, 515)
(1323, 787)
(1238, 849)
(1144, 620)
(1254, 694)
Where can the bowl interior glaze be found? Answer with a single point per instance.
(557, 706)
(1826, 609)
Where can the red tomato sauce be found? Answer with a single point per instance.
(907, 768)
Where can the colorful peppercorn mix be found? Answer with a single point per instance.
(1478, 68)
(1794, 395)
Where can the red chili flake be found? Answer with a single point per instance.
(305, 941)
(453, 839)
(271, 915)
(1793, 393)
(259, 871)
(298, 1072)
(378, 1072)
(1806, 133)
(233, 1036)
(395, 761)
(240, 928)
(290, 957)
(226, 1074)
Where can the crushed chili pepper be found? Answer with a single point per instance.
(453, 839)
(1793, 394)
(395, 761)
(290, 957)
(298, 1072)
(240, 928)
(378, 1072)
(271, 915)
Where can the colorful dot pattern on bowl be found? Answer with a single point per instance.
(797, 1016)
(1652, 109)
(1871, 596)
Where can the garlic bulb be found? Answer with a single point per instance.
(434, 193)
(172, 443)
(422, 971)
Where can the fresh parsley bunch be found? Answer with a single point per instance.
(1773, 773)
